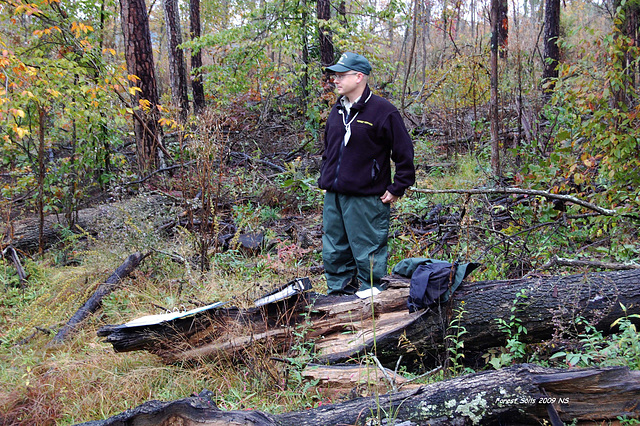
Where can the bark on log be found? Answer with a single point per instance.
(219, 332)
(550, 308)
(95, 301)
(11, 253)
(521, 394)
(24, 234)
(343, 326)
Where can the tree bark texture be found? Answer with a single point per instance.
(494, 117)
(550, 308)
(411, 55)
(41, 173)
(551, 48)
(196, 58)
(177, 67)
(304, 41)
(503, 27)
(521, 394)
(95, 301)
(25, 234)
(139, 57)
(323, 11)
(344, 327)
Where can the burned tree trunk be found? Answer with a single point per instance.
(196, 58)
(95, 301)
(177, 66)
(323, 9)
(546, 306)
(139, 57)
(345, 326)
(24, 234)
(522, 394)
(551, 47)
(210, 330)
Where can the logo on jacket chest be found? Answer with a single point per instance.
(364, 122)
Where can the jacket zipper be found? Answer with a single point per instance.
(335, 180)
(344, 121)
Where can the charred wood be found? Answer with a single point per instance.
(95, 301)
(11, 253)
(23, 235)
(521, 394)
(344, 327)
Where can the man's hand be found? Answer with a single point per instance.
(388, 197)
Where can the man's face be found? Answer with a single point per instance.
(347, 82)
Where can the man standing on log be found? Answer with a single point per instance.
(364, 132)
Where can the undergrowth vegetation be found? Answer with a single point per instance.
(84, 379)
(238, 213)
(198, 258)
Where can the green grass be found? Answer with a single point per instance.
(83, 379)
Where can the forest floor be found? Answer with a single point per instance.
(258, 228)
(83, 379)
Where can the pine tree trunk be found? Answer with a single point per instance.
(196, 58)
(551, 48)
(503, 28)
(629, 27)
(323, 8)
(177, 67)
(139, 56)
(493, 113)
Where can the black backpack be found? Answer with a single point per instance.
(432, 280)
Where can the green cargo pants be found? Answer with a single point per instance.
(354, 242)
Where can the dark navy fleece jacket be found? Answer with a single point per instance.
(363, 166)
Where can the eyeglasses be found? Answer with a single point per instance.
(341, 76)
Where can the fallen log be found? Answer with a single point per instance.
(95, 301)
(12, 254)
(521, 394)
(213, 330)
(25, 234)
(547, 306)
(343, 327)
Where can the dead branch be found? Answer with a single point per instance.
(157, 171)
(245, 157)
(95, 301)
(534, 192)
(13, 255)
(561, 261)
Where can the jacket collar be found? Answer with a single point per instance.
(358, 106)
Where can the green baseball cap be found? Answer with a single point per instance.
(351, 62)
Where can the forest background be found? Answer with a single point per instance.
(217, 109)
